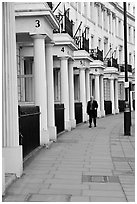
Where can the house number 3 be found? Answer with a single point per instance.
(37, 23)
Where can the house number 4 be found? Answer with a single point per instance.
(37, 25)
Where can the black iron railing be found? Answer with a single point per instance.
(82, 43)
(108, 107)
(78, 112)
(96, 54)
(66, 25)
(29, 128)
(122, 68)
(121, 105)
(112, 62)
(59, 117)
(50, 5)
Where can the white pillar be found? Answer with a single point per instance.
(131, 100)
(50, 92)
(11, 151)
(116, 96)
(83, 93)
(71, 95)
(112, 94)
(41, 85)
(102, 96)
(97, 94)
(87, 86)
(91, 85)
(65, 91)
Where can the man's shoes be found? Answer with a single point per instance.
(90, 126)
(94, 125)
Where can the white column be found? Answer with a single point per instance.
(131, 100)
(41, 85)
(102, 96)
(116, 96)
(97, 94)
(11, 151)
(87, 86)
(91, 85)
(50, 92)
(83, 93)
(65, 91)
(71, 95)
(112, 94)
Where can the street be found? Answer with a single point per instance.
(85, 165)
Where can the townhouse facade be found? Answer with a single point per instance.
(55, 56)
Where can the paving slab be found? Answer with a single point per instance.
(84, 165)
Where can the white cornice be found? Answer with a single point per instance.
(119, 8)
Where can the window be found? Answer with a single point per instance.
(57, 85)
(25, 81)
(128, 6)
(85, 8)
(119, 28)
(99, 15)
(133, 10)
(92, 42)
(99, 44)
(79, 7)
(129, 33)
(110, 23)
(76, 88)
(120, 54)
(134, 35)
(115, 26)
(130, 59)
(134, 61)
(91, 10)
(104, 18)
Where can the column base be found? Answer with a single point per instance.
(44, 139)
(85, 117)
(3, 177)
(116, 111)
(113, 111)
(52, 133)
(68, 125)
(99, 114)
(102, 113)
(73, 123)
(13, 160)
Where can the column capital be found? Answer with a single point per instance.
(87, 69)
(71, 61)
(64, 58)
(50, 44)
(82, 68)
(97, 74)
(111, 78)
(38, 36)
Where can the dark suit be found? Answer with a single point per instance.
(92, 111)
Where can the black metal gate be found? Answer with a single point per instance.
(59, 117)
(121, 104)
(133, 104)
(29, 128)
(78, 112)
(108, 107)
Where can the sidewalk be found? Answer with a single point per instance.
(84, 165)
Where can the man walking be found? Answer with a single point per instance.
(92, 106)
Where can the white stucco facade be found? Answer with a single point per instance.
(62, 58)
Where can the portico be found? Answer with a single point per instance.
(82, 65)
(35, 41)
(97, 75)
(111, 75)
(64, 63)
